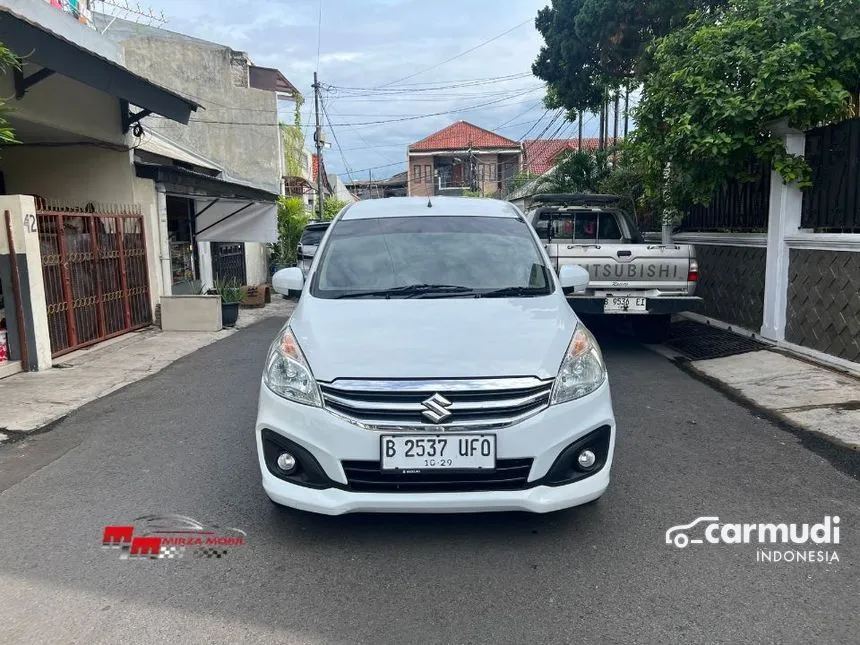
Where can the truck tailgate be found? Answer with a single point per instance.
(637, 266)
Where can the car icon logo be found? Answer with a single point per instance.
(436, 408)
(678, 536)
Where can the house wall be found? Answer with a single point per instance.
(238, 128)
(65, 105)
(488, 184)
(77, 174)
(422, 186)
(83, 174)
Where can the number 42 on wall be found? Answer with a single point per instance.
(30, 223)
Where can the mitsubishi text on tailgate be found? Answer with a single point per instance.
(628, 276)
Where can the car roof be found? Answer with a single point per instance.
(313, 225)
(441, 207)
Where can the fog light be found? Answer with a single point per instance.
(586, 459)
(287, 462)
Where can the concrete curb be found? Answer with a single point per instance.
(844, 456)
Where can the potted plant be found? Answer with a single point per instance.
(231, 295)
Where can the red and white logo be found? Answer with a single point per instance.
(169, 537)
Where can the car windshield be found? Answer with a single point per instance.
(404, 257)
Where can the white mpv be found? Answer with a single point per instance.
(433, 364)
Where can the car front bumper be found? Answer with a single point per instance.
(330, 439)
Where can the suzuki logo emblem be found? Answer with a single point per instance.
(437, 408)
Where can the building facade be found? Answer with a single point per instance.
(462, 158)
(237, 138)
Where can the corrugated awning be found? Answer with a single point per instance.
(52, 51)
(230, 220)
(157, 144)
(226, 211)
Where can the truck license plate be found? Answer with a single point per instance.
(424, 452)
(625, 305)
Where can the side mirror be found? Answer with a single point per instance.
(287, 280)
(573, 278)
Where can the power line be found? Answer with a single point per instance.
(460, 55)
(365, 123)
(550, 124)
(521, 114)
(397, 163)
(433, 85)
(534, 125)
(334, 134)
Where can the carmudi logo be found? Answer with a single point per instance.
(709, 530)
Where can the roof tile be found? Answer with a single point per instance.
(460, 135)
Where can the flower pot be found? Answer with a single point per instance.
(229, 313)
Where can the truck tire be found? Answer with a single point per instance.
(652, 329)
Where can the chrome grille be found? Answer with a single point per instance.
(411, 404)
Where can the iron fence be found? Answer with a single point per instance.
(737, 206)
(95, 272)
(832, 204)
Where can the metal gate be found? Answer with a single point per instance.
(228, 261)
(95, 270)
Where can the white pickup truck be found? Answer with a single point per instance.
(646, 281)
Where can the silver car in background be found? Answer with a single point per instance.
(309, 243)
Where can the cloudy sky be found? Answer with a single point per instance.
(377, 44)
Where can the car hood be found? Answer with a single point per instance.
(433, 338)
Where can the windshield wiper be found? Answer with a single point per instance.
(515, 292)
(412, 291)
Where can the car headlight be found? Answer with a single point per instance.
(288, 374)
(582, 370)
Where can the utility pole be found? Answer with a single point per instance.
(318, 139)
(601, 142)
(615, 130)
(626, 107)
(579, 146)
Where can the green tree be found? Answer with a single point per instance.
(717, 83)
(592, 46)
(8, 61)
(294, 140)
(331, 207)
(577, 171)
(292, 219)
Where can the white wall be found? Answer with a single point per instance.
(256, 264)
(76, 174)
(61, 103)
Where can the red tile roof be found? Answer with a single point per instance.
(461, 135)
(540, 154)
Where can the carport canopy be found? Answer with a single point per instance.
(226, 211)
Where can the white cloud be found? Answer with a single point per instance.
(367, 43)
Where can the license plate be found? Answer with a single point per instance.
(624, 305)
(416, 453)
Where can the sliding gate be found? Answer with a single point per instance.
(95, 271)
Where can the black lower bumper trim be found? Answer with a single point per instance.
(594, 305)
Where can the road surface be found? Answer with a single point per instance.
(182, 442)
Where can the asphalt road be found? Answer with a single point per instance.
(181, 441)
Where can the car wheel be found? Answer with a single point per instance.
(653, 329)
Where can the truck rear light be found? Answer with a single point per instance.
(693, 274)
